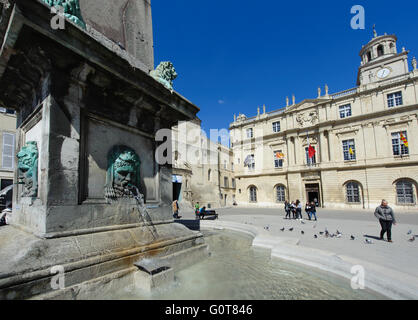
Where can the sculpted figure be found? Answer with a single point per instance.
(308, 118)
(71, 10)
(123, 172)
(165, 74)
(28, 169)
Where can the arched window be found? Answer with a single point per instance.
(353, 192)
(280, 194)
(405, 192)
(392, 47)
(209, 174)
(253, 194)
(380, 50)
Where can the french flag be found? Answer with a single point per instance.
(311, 150)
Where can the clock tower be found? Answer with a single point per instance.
(380, 60)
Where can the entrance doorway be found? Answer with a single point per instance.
(177, 183)
(176, 191)
(313, 194)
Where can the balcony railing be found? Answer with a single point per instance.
(344, 93)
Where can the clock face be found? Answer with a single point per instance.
(383, 73)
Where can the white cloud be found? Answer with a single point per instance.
(221, 101)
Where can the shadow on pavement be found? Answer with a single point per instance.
(193, 224)
(372, 237)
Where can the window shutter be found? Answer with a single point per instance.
(8, 150)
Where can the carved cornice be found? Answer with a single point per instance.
(393, 122)
(344, 131)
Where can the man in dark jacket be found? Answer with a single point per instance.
(386, 218)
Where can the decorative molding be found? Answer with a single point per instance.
(352, 130)
(308, 118)
(312, 140)
(276, 143)
(394, 122)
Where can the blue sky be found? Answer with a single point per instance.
(233, 56)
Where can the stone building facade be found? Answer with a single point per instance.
(203, 171)
(364, 138)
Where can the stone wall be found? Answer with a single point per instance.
(128, 22)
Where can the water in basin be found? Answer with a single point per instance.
(236, 270)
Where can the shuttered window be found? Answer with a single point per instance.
(8, 150)
(405, 192)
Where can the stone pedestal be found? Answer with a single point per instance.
(87, 121)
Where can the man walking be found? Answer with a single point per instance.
(386, 218)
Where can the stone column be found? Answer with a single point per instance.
(323, 146)
(291, 150)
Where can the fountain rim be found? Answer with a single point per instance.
(289, 249)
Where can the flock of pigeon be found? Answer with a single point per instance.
(337, 234)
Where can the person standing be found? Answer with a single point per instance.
(308, 210)
(386, 218)
(298, 210)
(312, 211)
(176, 208)
(287, 209)
(196, 208)
(293, 209)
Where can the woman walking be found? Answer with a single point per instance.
(386, 218)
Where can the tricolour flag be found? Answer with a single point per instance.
(404, 140)
(311, 150)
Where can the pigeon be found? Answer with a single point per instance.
(369, 241)
(352, 237)
(302, 232)
(409, 232)
(339, 235)
(412, 239)
(291, 229)
(326, 233)
(315, 236)
(332, 235)
(282, 229)
(321, 233)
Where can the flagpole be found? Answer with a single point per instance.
(307, 139)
